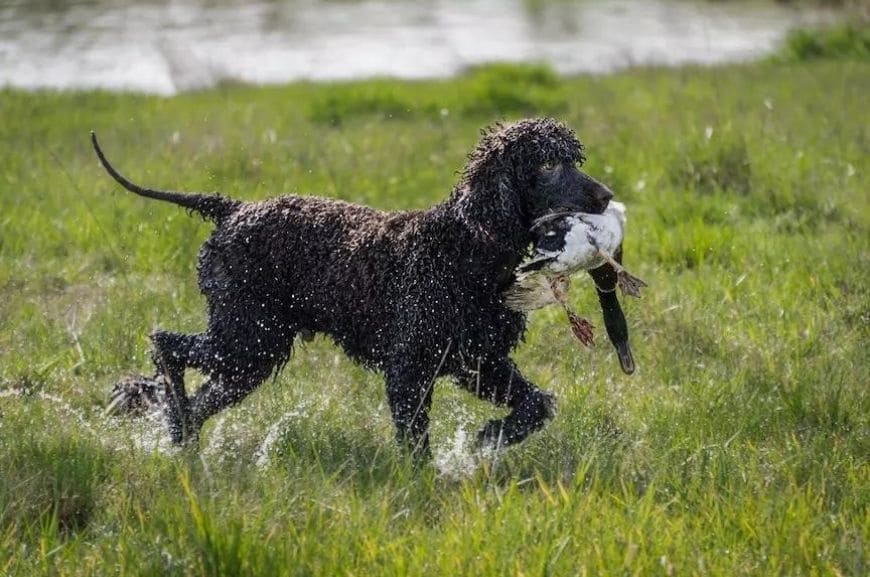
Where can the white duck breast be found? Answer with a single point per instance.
(587, 235)
(579, 241)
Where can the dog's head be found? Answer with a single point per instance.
(528, 169)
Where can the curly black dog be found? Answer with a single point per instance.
(413, 295)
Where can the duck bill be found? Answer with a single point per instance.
(626, 361)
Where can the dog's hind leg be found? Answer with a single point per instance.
(501, 383)
(172, 354)
(237, 357)
(224, 390)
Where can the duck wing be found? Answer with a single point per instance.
(529, 292)
(536, 264)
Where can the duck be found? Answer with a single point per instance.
(564, 244)
(568, 242)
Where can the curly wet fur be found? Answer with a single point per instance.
(413, 295)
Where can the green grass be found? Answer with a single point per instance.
(739, 448)
(844, 41)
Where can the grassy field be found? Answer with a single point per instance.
(739, 448)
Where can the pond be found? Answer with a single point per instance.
(174, 45)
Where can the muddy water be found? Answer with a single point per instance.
(174, 45)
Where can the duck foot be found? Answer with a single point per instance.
(581, 328)
(629, 283)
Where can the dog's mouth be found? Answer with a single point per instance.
(597, 207)
(602, 206)
(569, 210)
(590, 206)
(556, 214)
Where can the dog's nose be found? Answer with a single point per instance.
(604, 195)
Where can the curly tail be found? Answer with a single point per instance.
(211, 206)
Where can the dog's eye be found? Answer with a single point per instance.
(548, 167)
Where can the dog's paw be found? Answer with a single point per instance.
(136, 395)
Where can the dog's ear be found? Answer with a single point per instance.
(507, 200)
(488, 194)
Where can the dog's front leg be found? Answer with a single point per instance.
(410, 396)
(500, 382)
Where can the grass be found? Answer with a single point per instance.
(739, 448)
(844, 41)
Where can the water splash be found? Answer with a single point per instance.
(115, 433)
(77, 415)
(216, 440)
(459, 460)
(146, 434)
(263, 454)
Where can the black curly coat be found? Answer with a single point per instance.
(414, 295)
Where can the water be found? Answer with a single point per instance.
(166, 46)
(457, 460)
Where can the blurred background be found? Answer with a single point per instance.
(167, 46)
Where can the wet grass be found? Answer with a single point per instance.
(739, 448)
